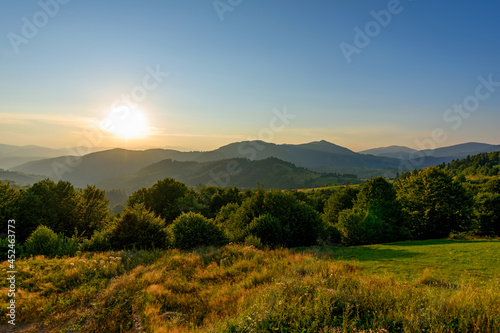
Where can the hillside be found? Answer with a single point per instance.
(105, 167)
(485, 164)
(444, 154)
(243, 289)
(243, 173)
(19, 177)
(95, 167)
(11, 156)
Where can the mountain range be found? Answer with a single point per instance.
(132, 169)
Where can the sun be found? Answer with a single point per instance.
(127, 122)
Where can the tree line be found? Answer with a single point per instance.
(54, 218)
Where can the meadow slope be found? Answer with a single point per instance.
(427, 286)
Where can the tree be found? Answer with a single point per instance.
(51, 204)
(377, 198)
(137, 227)
(191, 230)
(162, 198)
(268, 229)
(487, 213)
(375, 216)
(434, 204)
(300, 223)
(9, 202)
(93, 210)
(342, 199)
(357, 226)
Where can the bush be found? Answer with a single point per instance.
(268, 229)
(5, 246)
(192, 230)
(357, 226)
(487, 214)
(300, 224)
(136, 227)
(44, 241)
(254, 241)
(100, 241)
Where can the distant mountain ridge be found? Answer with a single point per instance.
(455, 151)
(11, 156)
(319, 156)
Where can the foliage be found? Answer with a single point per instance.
(342, 199)
(267, 229)
(434, 204)
(9, 197)
(162, 198)
(358, 226)
(487, 214)
(93, 210)
(44, 241)
(299, 222)
(191, 230)
(484, 164)
(137, 227)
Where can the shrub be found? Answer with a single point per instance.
(254, 241)
(192, 230)
(100, 241)
(136, 227)
(268, 229)
(487, 214)
(5, 246)
(299, 222)
(358, 226)
(44, 241)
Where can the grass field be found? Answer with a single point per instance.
(454, 261)
(429, 286)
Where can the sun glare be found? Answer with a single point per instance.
(127, 122)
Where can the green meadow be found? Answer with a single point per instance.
(451, 261)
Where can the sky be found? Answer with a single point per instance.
(199, 74)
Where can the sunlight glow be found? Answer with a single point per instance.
(127, 122)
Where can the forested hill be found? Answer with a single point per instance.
(485, 164)
(240, 172)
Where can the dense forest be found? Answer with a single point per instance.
(485, 164)
(55, 218)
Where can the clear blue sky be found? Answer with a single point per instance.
(225, 77)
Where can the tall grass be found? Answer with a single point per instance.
(242, 289)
